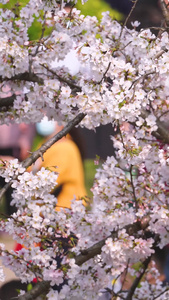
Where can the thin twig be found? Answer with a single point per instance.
(108, 67)
(42, 35)
(163, 114)
(151, 72)
(163, 50)
(68, 82)
(133, 188)
(162, 293)
(126, 20)
(138, 279)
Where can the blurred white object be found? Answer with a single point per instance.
(45, 127)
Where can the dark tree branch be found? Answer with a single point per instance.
(6, 187)
(25, 77)
(138, 279)
(39, 153)
(96, 248)
(104, 75)
(39, 289)
(86, 254)
(165, 11)
(162, 132)
(7, 101)
(133, 188)
(31, 77)
(142, 77)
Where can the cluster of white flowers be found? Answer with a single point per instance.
(98, 97)
(14, 168)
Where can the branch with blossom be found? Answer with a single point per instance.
(39, 153)
(87, 254)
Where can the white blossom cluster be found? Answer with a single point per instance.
(122, 78)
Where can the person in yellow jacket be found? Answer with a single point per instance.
(65, 158)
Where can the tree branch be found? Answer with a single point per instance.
(129, 15)
(39, 289)
(39, 153)
(133, 188)
(61, 79)
(162, 132)
(96, 248)
(25, 77)
(7, 101)
(137, 279)
(86, 254)
(165, 11)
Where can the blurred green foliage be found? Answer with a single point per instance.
(95, 8)
(12, 4)
(89, 170)
(92, 8)
(35, 30)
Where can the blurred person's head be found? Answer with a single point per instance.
(48, 128)
(45, 127)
